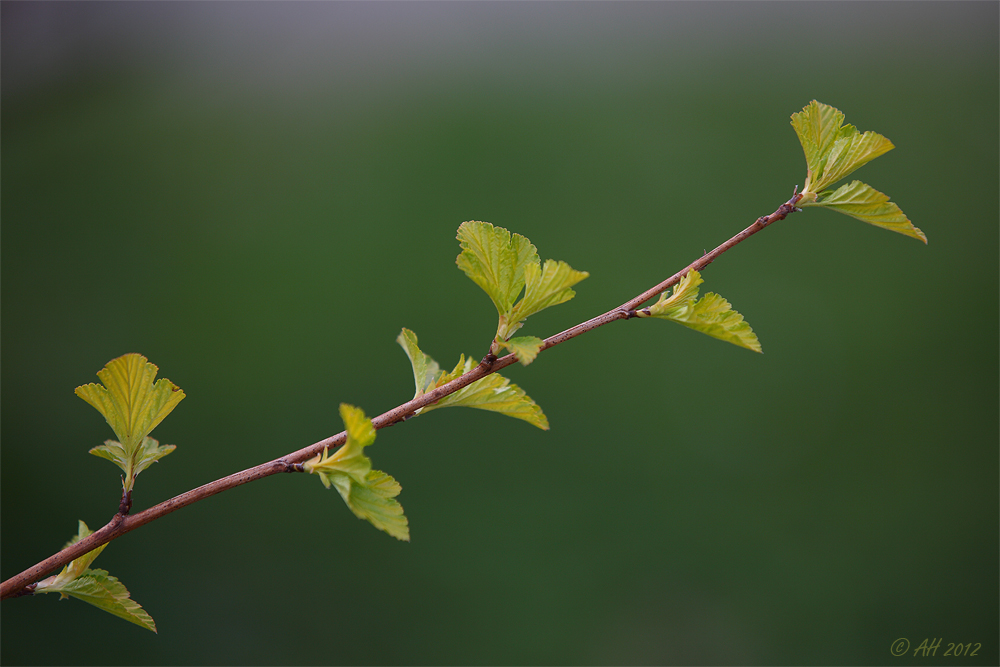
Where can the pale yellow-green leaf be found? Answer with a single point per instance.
(862, 201)
(113, 451)
(374, 501)
(100, 589)
(128, 399)
(425, 370)
(714, 316)
(369, 494)
(543, 288)
(94, 587)
(832, 150)
(818, 126)
(495, 260)
(849, 154)
(524, 348)
(493, 392)
(427, 374)
(504, 265)
(133, 406)
(710, 315)
(349, 459)
(683, 292)
(148, 453)
(546, 286)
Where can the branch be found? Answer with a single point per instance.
(22, 584)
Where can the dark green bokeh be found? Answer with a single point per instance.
(258, 197)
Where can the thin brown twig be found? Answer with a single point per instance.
(22, 584)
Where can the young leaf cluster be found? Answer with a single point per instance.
(494, 392)
(504, 265)
(833, 151)
(132, 405)
(370, 494)
(95, 587)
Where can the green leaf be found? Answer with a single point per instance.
(374, 502)
(714, 316)
(426, 371)
(817, 126)
(496, 394)
(862, 201)
(100, 589)
(683, 293)
(504, 264)
(545, 287)
(710, 315)
(493, 392)
(495, 260)
(94, 587)
(832, 150)
(370, 494)
(525, 348)
(133, 406)
(850, 153)
(148, 453)
(349, 459)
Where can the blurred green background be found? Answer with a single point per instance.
(258, 197)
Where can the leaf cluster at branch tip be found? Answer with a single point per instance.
(833, 151)
(504, 265)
